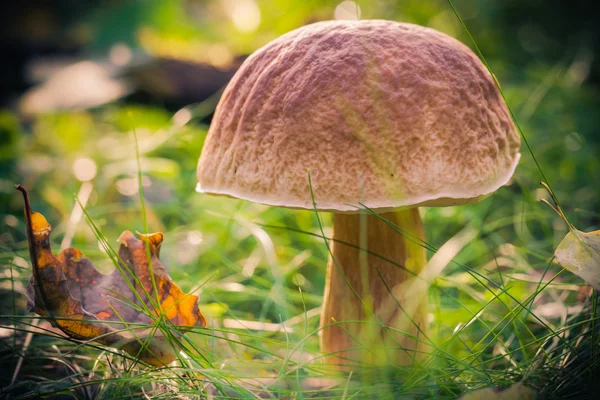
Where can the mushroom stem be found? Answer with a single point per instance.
(365, 318)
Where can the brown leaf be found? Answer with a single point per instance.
(80, 300)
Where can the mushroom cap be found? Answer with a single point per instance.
(381, 113)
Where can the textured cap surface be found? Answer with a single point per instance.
(382, 113)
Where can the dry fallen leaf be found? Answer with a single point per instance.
(515, 392)
(578, 252)
(75, 297)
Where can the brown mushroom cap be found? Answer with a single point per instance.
(382, 113)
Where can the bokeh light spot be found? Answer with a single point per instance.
(84, 169)
(348, 10)
(244, 14)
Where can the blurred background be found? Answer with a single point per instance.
(77, 78)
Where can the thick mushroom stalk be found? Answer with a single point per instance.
(365, 318)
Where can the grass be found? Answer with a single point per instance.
(495, 335)
(502, 311)
(489, 332)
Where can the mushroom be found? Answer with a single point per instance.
(387, 117)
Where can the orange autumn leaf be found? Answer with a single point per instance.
(79, 300)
